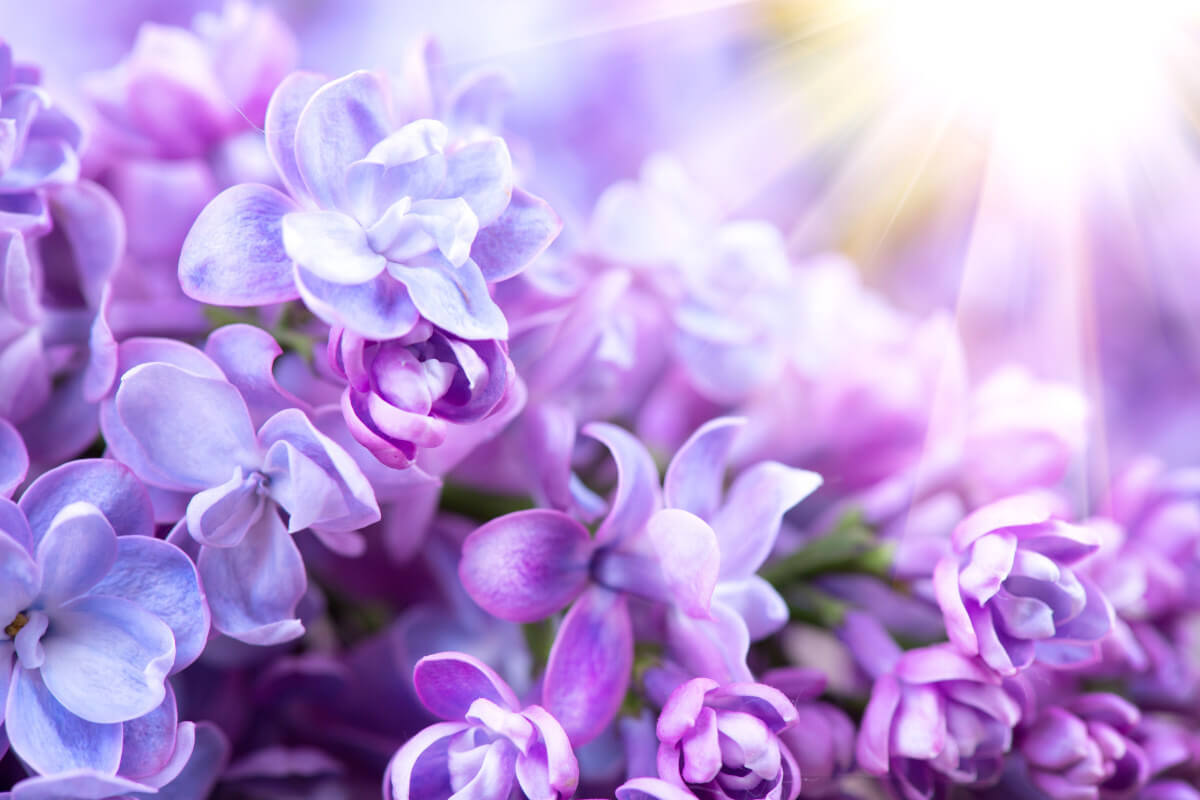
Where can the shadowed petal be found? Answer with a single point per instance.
(160, 578)
(253, 588)
(246, 354)
(448, 683)
(220, 516)
(210, 754)
(590, 665)
(748, 522)
(234, 255)
(378, 309)
(149, 740)
(107, 658)
(14, 461)
(506, 246)
(50, 738)
(419, 770)
(652, 789)
(75, 784)
(527, 565)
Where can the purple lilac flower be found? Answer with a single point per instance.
(822, 740)
(179, 423)
(488, 745)
(39, 147)
(724, 741)
(1085, 749)
(1009, 594)
(680, 546)
(97, 615)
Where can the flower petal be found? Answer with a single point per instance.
(874, 736)
(14, 461)
(525, 229)
(638, 494)
(688, 556)
(160, 578)
(527, 565)
(75, 784)
(332, 246)
(20, 575)
(108, 485)
(696, 475)
(748, 522)
(210, 754)
(50, 738)
(339, 125)
(378, 309)
(482, 174)
(418, 771)
(253, 588)
(149, 740)
(77, 551)
(283, 112)
(455, 299)
(652, 789)
(234, 254)
(247, 354)
(756, 602)
(107, 658)
(195, 430)
(448, 683)
(220, 516)
(590, 665)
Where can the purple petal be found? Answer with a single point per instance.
(695, 478)
(561, 766)
(210, 754)
(506, 246)
(194, 430)
(748, 522)
(766, 703)
(448, 683)
(638, 495)
(527, 565)
(339, 125)
(160, 578)
(714, 648)
(50, 738)
(590, 665)
(1061, 541)
(332, 246)
(283, 113)
(220, 516)
(149, 740)
(958, 621)
(688, 556)
(94, 230)
(1023, 617)
(107, 658)
(234, 255)
(873, 751)
(20, 576)
(378, 309)
(1056, 740)
(919, 726)
(77, 551)
(482, 174)
(18, 285)
(247, 354)
(940, 663)
(756, 602)
(253, 588)
(453, 298)
(990, 562)
(419, 770)
(652, 789)
(1093, 622)
(76, 784)
(682, 709)
(107, 485)
(184, 740)
(1017, 511)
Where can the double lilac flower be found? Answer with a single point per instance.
(179, 423)
(97, 613)
(486, 747)
(1008, 592)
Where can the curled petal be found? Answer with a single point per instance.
(652, 789)
(526, 565)
(453, 298)
(695, 478)
(1012, 512)
(206, 762)
(562, 769)
(638, 494)
(234, 254)
(381, 308)
(525, 229)
(283, 112)
(77, 551)
(419, 770)
(482, 174)
(332, 246)
(246, 354)
(590, 665)
(874, 735)
(748, 522)
(220, 516)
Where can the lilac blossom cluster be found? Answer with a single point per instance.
(332, 463)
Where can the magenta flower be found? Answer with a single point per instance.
(1009, 594)
(487, 746)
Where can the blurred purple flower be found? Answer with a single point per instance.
(488, 745)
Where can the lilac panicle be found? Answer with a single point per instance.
(487, 745)
(185, 429)
(97, 614)
(1009, 594)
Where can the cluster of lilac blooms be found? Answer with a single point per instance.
(333, 464)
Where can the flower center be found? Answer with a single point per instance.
(14, 627)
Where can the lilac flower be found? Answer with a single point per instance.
(97, 615)
(179, 423)
(388, 221)
(1085, 749)
(486, 744)
(1008, 593)
(39, 147)
(723, 741)
(935, 715)
(403, 392)
(822, 740)
(654, 545)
